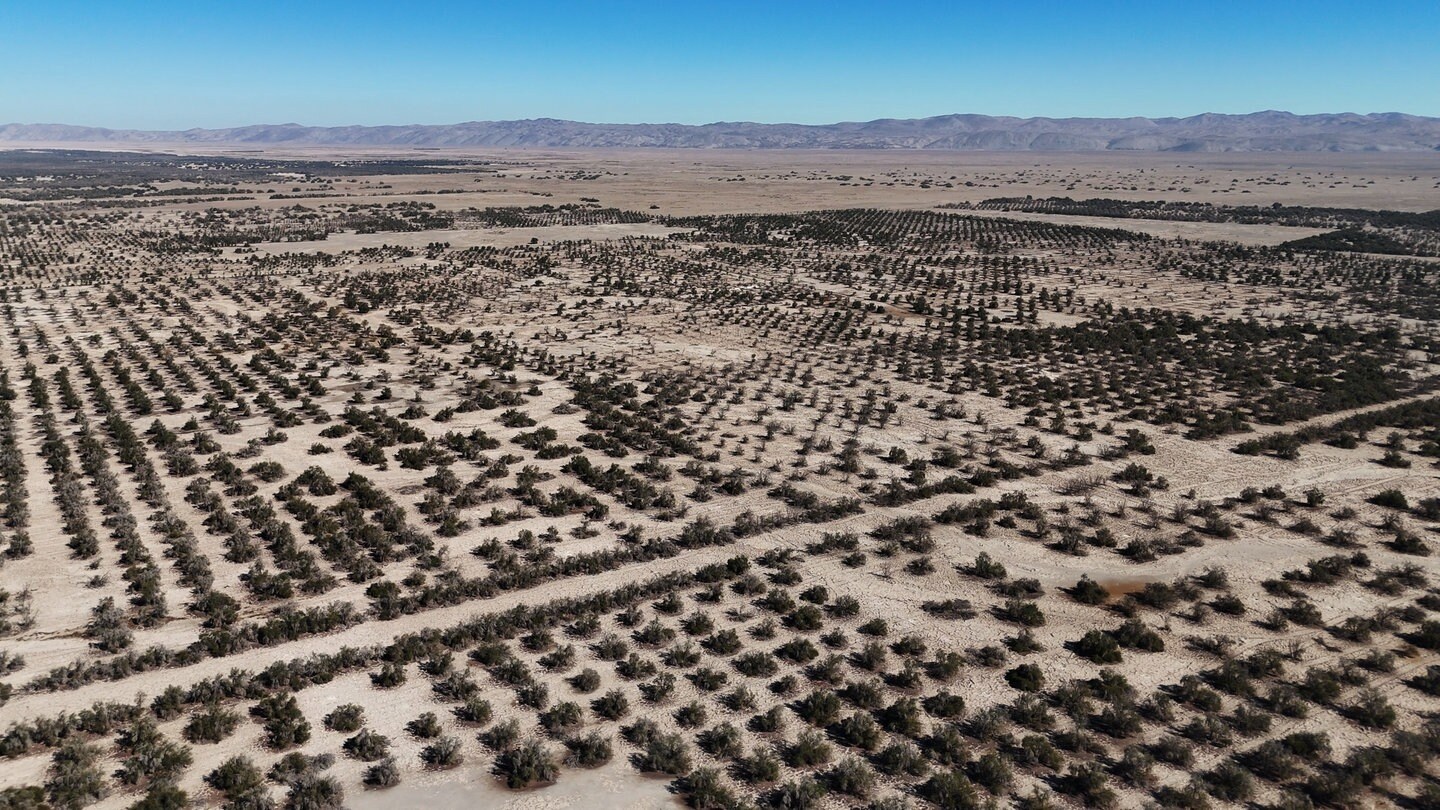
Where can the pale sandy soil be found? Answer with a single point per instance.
(465, 237)
(769, 389)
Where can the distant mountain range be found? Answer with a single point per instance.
(1269, 131)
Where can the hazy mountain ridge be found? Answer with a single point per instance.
(1268, 131)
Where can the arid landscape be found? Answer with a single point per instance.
(378, 476)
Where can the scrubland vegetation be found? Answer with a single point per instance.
(840, 508)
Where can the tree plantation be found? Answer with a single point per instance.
(329, 482)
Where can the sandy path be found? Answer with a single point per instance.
(372, 632)
(375, 632)
(1336, 416)
(1243, 233)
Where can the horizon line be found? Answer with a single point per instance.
(723, 122)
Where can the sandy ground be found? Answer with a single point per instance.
(466, 237)
(771, 388)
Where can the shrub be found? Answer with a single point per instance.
(612, 705)
(382, 774)
(284, 723)
(314, 792)
(703, 789)
(1097, 646)
(586, 680)
(237, 779)
(798, 795)
(474, 710)
(664, 753)
(294, 765)
(901, 717)
(527, 764)
(1026, 678)
(858, 730)
(808, 750)
(389, 676)
(851, 777)
(950, 790)
(211, 724)
(345, 718)
(1228, 782)
(442, 754)
(1089, 592)
(1372, 710)
(760, 766)
(991, 772)
(74, 778)
(1087, 783)
(367, 745)
(590, 751)
(1390, 499)
(691, 715)
(560, 718)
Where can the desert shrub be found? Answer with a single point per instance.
(757, 664)
(900, 759)
(704, 790)
(285, 725)
(1026, 678)
(74, 778)
(819, 708)
(691, 715)
(858, 730)
(526, 764)
(612, 705)
(1097, 646)
(1390, 499)
(721, 741)
(1228, 782)
(560, 718)
(314, 792)
(945, 745)
(901, 717)
(808, 750)
(767, 722)
(851, 777)
(474, 710)
(589, 751)
(1135, 766)
(1035, 750)
(383, 774)
(1133, 634)
(1174, 751)
(366, 745)
(238, 779)
(1088, 592)
(584, 681)
(502, 735)
(992, 772)
(442, 754)
(664, 753)
(801, 794)
(345, 718)
(950, 790)
(1087, 783)
(389, 676)
(211, 724)
(1372, 710)
(760, 766)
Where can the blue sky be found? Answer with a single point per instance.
(207, 63)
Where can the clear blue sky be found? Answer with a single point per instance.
(215, 63)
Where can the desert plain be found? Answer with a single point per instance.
(655, 478)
